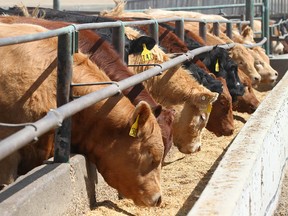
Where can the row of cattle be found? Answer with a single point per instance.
(128, 135)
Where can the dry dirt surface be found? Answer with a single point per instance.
(184, 177)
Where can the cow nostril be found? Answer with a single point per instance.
(199, 148)
(159, 200)
(256, 78)
(276, 74)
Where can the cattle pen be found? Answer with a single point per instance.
(247, 181)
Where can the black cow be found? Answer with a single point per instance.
(221, 64)
(205, 79)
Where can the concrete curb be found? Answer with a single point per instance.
(248, 178)
(52, 189)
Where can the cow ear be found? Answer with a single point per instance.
(205, 99)
(136, 46)
(140, 116)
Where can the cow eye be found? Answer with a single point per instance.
(203, 117)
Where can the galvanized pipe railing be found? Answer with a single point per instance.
(118, 41)
(55, 117)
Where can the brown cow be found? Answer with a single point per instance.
(101, 132)
(262, 65)
(246, 62)
(222, 107)
(177, 89)
(104, 56)
(248, 102)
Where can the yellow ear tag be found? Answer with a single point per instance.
(217, 66)
(146, 54)
(134, 128)
(209, 108)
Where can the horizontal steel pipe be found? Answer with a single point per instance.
(77, 27)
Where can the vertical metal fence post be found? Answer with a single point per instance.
(153, 30)
(64, 76)
(202, 30)
(56, 5)
(265, 23)
(250, 12)
(216, 28)
(179, 28)
(118, 39)
(229, 29)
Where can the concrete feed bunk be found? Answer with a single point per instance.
(248, 178)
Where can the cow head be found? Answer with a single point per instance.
(128, 157)
(191, 118)
(221, 65)
(248, 102)
(136, 45)
(261, 63)
(245, 62)
(221, 120)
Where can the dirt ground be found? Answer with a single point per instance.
(184, 177)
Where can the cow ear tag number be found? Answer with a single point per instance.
(134, 128)
(217, 66)
(146, 54)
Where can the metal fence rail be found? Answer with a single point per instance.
(56, 117)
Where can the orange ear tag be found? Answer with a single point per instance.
(217, 66)
(209, 108)
(134, 128)
(146, 54)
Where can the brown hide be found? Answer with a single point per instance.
(221, 120)
(248, 102)
(131, 165)
(104, 56)
(262, 65)
(245, 61)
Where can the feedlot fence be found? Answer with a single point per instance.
(67, 45)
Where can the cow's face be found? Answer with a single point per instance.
(235, 86)
(245, 62)
(221, 120)
(221, 65)
(267, 73)
(189, 122)
(132, 163)
(248, 102)
(128, 155)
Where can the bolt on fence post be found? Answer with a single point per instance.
(64, 77)
(202, 30)
(179, 28)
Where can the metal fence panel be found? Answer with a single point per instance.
(277, 6)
